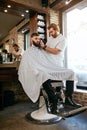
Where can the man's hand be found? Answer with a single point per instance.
(42, 44)
(18, 56)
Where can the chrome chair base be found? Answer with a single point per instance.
(41, 116)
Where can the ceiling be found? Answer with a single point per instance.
(10, 19)
(7, 22)
(13, 17)
(61, 4)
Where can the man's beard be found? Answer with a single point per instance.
(55, 35)
(17, 50)
(36, 45)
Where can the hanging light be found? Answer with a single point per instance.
(68, 1)
(22, 15)
(5, 10)
(9, 6)
(27, 11)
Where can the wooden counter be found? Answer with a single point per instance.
(10, 64)
(8, 73)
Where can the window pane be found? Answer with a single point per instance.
(77, 42)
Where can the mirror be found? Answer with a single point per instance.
(16, 20)
(7, 22)
(14, 23)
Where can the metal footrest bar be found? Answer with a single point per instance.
(75, 111)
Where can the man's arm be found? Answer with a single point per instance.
(17, 56)
(50, 50)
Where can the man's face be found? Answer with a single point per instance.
(52, 32)
(16, 48)
(35, 39)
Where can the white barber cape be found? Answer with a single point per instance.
(36, 67)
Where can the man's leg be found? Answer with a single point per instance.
(51, 95)
(69, 94)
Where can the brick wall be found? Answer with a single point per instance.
(54, 16)
(18, 91)
(80, 97)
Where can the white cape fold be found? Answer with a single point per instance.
(36, 67)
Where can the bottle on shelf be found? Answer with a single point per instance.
(1, 60)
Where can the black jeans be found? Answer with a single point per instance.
(51, 95)
(50, 91)
(69, 88)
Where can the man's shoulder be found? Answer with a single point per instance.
(61, 37)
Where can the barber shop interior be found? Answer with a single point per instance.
(43, 64)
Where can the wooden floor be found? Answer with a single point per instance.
(13, 118)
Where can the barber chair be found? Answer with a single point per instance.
(44, 116)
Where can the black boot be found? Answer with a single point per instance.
(51, 95)
(69, 101)
(53, 108)
(69, 93)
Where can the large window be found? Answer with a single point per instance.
(76, 33)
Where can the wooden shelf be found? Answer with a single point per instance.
(41, 25)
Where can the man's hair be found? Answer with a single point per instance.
(34, 34)
(15, 45)
(5, 51)
(54, 26)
